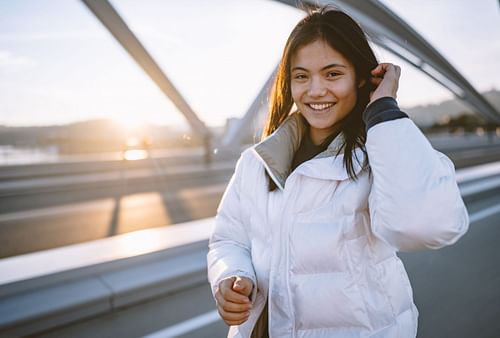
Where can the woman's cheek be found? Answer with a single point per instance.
(297, 91)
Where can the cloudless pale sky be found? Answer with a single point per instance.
(58, 64)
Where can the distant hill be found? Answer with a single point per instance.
(87, 136)
(427, 115)
(106, 134)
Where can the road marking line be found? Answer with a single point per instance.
(187, 326)
(484, 213)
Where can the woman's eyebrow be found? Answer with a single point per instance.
(332, 65)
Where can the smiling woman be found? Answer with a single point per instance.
(307, 232)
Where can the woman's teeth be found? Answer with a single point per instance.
(320, 106)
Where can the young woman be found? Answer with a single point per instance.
(307, 232)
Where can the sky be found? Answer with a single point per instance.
(58, 64)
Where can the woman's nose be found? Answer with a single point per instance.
(316, 88)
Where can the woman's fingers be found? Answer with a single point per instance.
(232, 299)
(380, 70)
(233, 316)
(226, 289)
(385, 80)
(243, 285)
(376, 80)
(384, 68)
(231, 306)
(232, 313)
(377, 70)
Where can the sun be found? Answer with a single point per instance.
(136, 139)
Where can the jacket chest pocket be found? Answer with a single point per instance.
(316, 242)
(321, 239)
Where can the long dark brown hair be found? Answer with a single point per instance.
(344, 35)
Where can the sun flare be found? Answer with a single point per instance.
(135, 154)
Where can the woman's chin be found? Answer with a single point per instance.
(321, 123)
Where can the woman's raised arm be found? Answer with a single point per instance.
(414, 202)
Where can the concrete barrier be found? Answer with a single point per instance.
(55, 287)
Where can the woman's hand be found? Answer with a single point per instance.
(385, 78)
(232, 297)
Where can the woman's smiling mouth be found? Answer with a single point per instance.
(319, 106)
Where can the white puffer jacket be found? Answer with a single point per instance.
(322, 247)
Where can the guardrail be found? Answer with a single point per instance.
(55, 287)
(108, 179)
(48, 289)
(89, 164)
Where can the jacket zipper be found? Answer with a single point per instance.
(275, 257)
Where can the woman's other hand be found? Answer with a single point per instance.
(385, 78)
(233, 302)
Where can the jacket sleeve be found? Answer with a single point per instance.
(229, 244)
(414, 201)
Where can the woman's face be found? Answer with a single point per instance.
(324, 88)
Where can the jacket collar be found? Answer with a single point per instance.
(277, 151)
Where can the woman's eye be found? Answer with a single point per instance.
(299, 76)
(333, 74)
